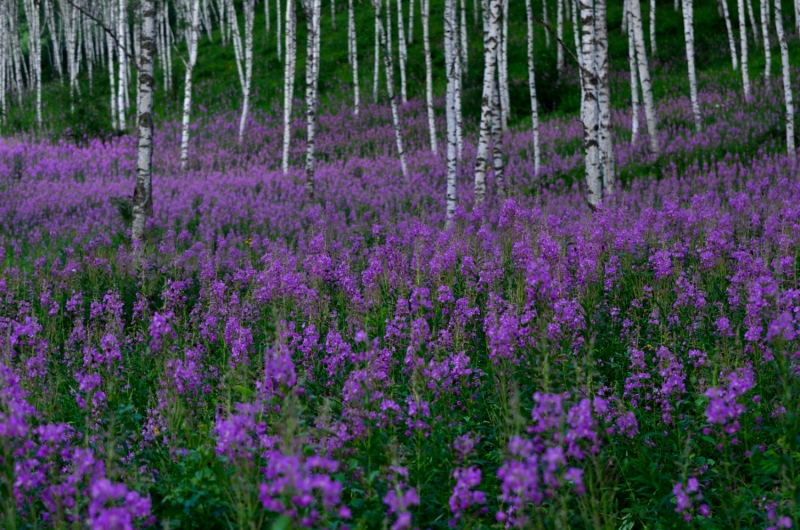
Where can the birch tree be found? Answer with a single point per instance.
(634, 77)
(560, 34)
(403, 52)
(590, 108)
(729, 29)
(688, 31)
(644, 74)
(35, 52)
(353, 48)
(187, 88)
(765, 35)
(288, 80)
(122, 80)
(313, 9)
(787, 81)
(387, 62)
(377, 67)
(505, 98)
(653, 47)
(426, 42)
(410, 38)
(537, 157)
(464, 44)
(450, 50)
(490, 45)
(606, 133)
(142, 193)
(743, 47)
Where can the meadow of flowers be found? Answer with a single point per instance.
(277, 362)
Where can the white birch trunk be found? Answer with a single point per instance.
(753, 22)
(142, 195)
(537, 157)
(560, 34)
(428, 74)
(464, 45)
(387, 62)
(377, 67)
(267, 17)
(187, 89)
(765, 35)
(606, 133)
(729, 29)
(634, 77)
(457, 96)
(313, 9)
(401, 42)
(497, 141)
(653, 47)
(288, 82)
(279, 32)
(590, 118)
(410, 38)
(546, 20)
(505, 99)
(333, 14)
(688, 31)
(743, 48)
(123, 64)
(450, 68)
(109, 20)
(249, 15)
(787, 81)
(644, 76)
(490, 46)
(353, 55)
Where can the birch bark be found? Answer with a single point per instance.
(644, 76)
(743, 48)
(590, 118)
(688, 30)
(537, 158)
(401, 44)
(354, 55)
(729, 29)
(490, 45)
(426, 5)
(634, 77)
(313, 9)
(765, 35)
(606, 133)
(187, 89)
(450, 68)
(142, 194)
(787, 81)
(288, 81)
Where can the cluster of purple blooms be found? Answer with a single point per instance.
(349, 356)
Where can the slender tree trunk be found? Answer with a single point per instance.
(353, 54)
(634, 77)
(546, 20)
(377, 67)
(109, 19)
(267, 17)
(122, 85)
(249, 15)
(537, 157)
(729, 28)
(765, 35)
(688, 31)
(653, 48)
(35, 53)
(497, 141)
(55, 40)
(387, 62)
(606, 136)
(333, 15)
(288, 81)
(787, 81)
(279, 28)
(590, 108)
(142, 194)
(505, 98)
(457, 95)
(490, 46)
(753, 22)
(644, 76)
(560, 33)
(187, 89)
(464, 45)
(743, 46)
(410, 22)
(401, 43)
(426, 4)
(313, 9)
(450, 67)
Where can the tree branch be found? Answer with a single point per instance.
(103, 27)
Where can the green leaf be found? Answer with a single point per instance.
(281, 523)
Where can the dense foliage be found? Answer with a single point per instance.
(279, 362)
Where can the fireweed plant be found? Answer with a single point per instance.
(275, 362)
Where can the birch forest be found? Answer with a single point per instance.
(355, 264)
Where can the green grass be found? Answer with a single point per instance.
(217, 85)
